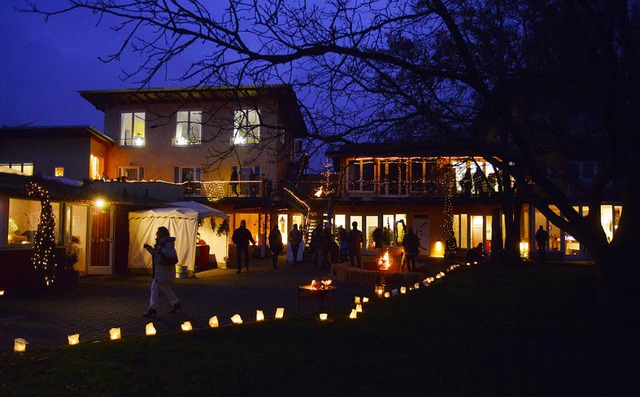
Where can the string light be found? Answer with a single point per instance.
(44, 258)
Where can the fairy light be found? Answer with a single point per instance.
(44, 257)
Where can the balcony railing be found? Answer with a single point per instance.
(228, 189)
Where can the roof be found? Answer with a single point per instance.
(394, 149)
(204, 211)
(63, 130)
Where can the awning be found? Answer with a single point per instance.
(204, 211)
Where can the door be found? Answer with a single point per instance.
(422, 228)
(101, 240)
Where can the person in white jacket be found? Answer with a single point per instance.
(165, 258)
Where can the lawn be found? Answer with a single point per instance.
(484, 330)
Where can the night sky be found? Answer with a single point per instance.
(44, 64)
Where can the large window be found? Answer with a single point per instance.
(190, 177)
(246, 127)
(423, 176)
(393, 177)
(132, 129)
(25, 168)
(131, 173)
(361, 175)
(188, 128)
(24, 217)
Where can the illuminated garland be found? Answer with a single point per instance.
(44, 255)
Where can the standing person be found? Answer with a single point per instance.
(295, 239)
(252, 187)
(275, 245)
(542, 236)
(164, 260)
(411, 244)
(342, 240)
(355, 238)
(317, 245)
(241, 238)
(234, 181)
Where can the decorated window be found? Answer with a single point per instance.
(246, 127)
(361, 175)
(132, 129)
(188, 128)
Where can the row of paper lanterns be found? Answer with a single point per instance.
(20, 344)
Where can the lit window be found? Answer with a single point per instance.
(24, 168)
(131, 173)
(246, 127)
(190, 178)
(132, 129)
(59, 171)
(188, 128)
(361, 174)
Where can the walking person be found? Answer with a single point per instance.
(241, 238)
(295, 240)
(355, 238)
(164, 259)
(411, 244)
(275, 245)
(542, 237)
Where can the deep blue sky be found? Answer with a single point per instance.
(44, 64)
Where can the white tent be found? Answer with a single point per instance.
(182, 222)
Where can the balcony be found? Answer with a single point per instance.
(227, 189)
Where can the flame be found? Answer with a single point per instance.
(383, 262)
(323, 284)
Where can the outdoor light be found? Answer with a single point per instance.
(379, 290)
(353, 314)
(416, 285)
(365, 299)
(186, 326)
(74, 339)
(280, 312)
(403, 290)
(114, 333)
(213, 322)
(99, 203)
(359, 308)
(387, 294)
(356, 300)
(19, 345)
(236, 319)
(259, 315)
(323, 316)
(1, 292)
(150, 329)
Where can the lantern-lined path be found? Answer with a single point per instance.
(100, 303)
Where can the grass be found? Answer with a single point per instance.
(526, 331)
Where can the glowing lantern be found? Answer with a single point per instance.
(280, 312)
(416, 285)
(114, 333)
(19, 345)
(213, 322)
(365, 299)
(379, 290)
(403, 290)
(259, 315)
(353, 314)
(1, 292)
(387, 294)
(150, 329)
(74, 339)
(359, 308)
(186, 326)
(356, 300)
(236, 319)
(323, 316)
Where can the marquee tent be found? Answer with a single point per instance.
(182, 222)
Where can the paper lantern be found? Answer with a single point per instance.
(1, 292)
(150, 329)
(387, 294)
(259, 315)
(357, 300)
(380, 290)
(416, 285)
(365, 299)
(280, 312)
(74, 339)
(213, 322)
(323, 316)
(186, 326)
(403, 290)
(353, 314)
(114, 333)
(236, 319)
(359, 308)
(394, 292)
(19, 345)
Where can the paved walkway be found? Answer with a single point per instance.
(100, 303)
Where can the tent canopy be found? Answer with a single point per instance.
(204, 211)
